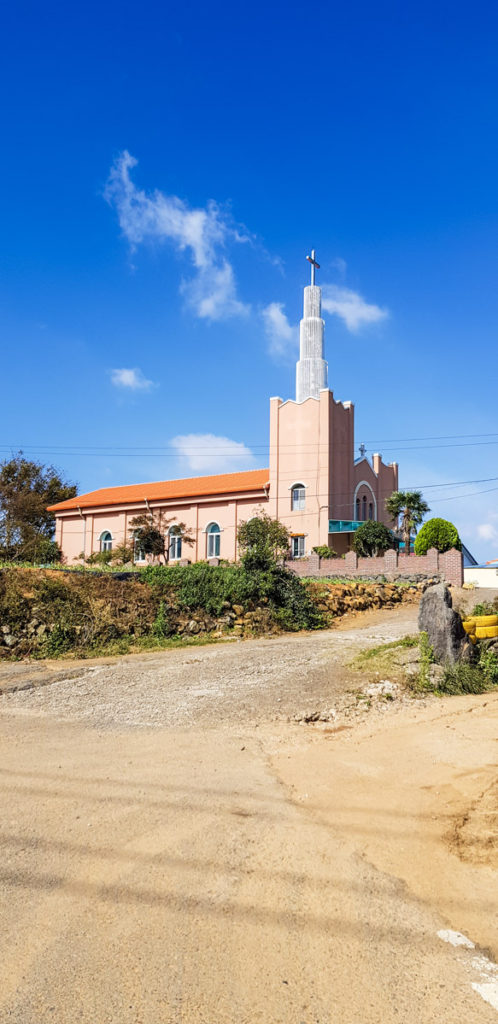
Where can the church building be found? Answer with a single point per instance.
(314, 484)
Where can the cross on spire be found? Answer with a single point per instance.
(314, 264)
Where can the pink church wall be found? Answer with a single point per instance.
(75, 533)
(375, 483)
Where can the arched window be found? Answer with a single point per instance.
(298, 497)
(364, 515)
(138, 551)
(106, 541)
(213, 540)
(370, 510)
(174, 543)
(357, 510)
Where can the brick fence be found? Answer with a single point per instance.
(449, 566)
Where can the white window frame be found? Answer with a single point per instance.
(174, 544)
(213, 540)
(298, 497)
(105, 541)
(298, 545)
(138, 553)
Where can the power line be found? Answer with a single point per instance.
(207, 451)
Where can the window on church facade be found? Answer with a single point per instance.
(364, 514)
(298, 549)
(213, 540)
(175, 543)
(298, 498)
(106, 541)
(370, 511)
(138, 551)
(357, 510)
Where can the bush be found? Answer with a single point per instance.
(486, 608)
(488, 663)
(463, 678)
(439, 534)
(47, 552)
(102, 558)
(215, 588)
(372, 538)
(263, 541)
(323, 551)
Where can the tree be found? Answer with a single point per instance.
(262, 541)
(411, 507)
(372, 538)
(439, 534)
(26, 489)
(149, 532)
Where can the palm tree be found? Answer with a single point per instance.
(411, 507)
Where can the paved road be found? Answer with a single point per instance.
(165, 873)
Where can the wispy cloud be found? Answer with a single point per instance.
(351, 307)
(340, 265)
(282, 336)
(208, 453)
(131, 380)
(203, 233)
(488, 531)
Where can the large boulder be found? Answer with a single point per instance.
(442, 624)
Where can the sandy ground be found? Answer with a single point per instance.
(176, 848)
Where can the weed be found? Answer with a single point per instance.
(486, 608)
(463, 678)
(488, 664)
(373, 652)
(161, 626)
(426, 660)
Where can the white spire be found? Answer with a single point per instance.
(311, 369)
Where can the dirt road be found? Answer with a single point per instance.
(174, 850)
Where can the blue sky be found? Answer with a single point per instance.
(166, 168)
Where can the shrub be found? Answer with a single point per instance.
(372, 538)
(486, 608)
(463, 678)
(488, 663)
(439, 534)
(263, 541)
(102, 558)
(323, 551)
(47, 551)
(214, 588)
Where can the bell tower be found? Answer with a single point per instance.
(311, 368)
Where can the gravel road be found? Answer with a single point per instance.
(174, 851)
(235, 682)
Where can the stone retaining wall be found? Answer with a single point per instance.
(448, 566)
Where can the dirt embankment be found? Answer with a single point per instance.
(46, 613)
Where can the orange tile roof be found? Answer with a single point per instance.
(194, 487)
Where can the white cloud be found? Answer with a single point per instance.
(351, 307)
(208, 453)
(133, 379)
(203, 233)
(340, 265)
(282, 336)
(213, 293)
(487, 531)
